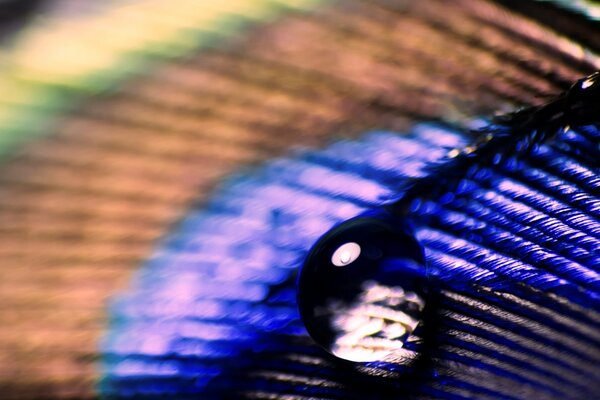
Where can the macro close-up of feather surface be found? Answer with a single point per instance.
(300, 199)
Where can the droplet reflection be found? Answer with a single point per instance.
(588, 82)
(345, 254)
(368, 309)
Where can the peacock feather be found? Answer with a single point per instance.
(166, 166)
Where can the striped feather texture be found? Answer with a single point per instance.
(222, 286)
(116, 166)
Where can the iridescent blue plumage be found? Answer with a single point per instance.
(214, 310)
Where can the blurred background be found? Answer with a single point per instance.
(119, 117)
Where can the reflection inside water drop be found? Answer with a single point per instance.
(375, 325)
(345, 254)
(368, 309)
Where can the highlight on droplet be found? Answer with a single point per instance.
(345, 254)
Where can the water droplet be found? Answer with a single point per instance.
(453, 153)
(588, 82)
(469, 149)
(367, 309)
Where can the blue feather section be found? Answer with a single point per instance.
(213, 311)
